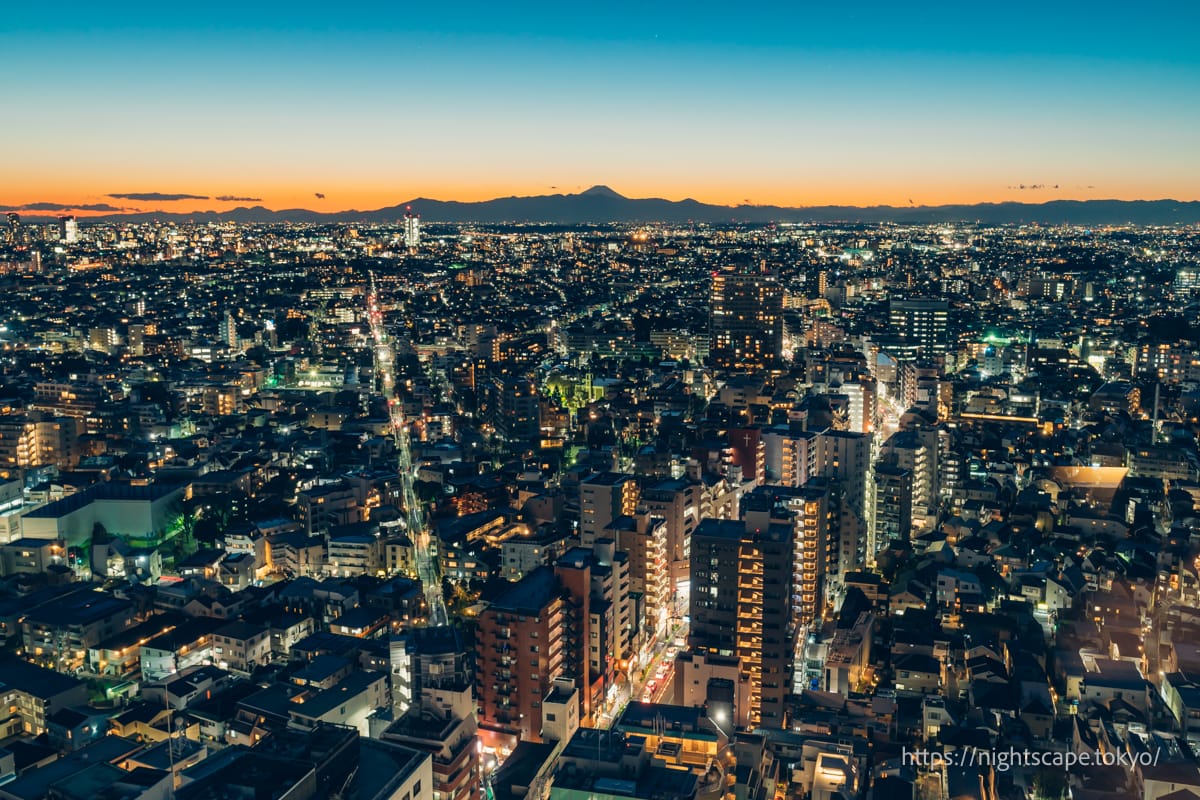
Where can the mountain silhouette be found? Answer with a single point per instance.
(600, 190)
(601, 204)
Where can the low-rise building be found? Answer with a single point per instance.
(241, 646)
(30, 695)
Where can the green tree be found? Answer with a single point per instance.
(1050, 784)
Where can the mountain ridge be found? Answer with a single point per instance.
(600, 204)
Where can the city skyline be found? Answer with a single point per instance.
(480, 401)
(792, 107)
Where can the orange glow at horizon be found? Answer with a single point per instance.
(724, 193)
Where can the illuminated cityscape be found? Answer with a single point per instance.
(723, 499)
(532, 402)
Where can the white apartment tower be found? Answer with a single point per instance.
(412, 229)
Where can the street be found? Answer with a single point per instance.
(662, 655)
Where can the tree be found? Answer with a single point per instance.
(1050, 784)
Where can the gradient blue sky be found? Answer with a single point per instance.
(797, 104)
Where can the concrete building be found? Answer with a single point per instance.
(521, 646)
(350, 702)
(809, 512)
(30, 556)
(746, 320)
(789, 457)
(140, 514)
(602, 498)
(916, 450)
(511, 408)
(241, 646)
(37, 439)
(327, 506)
(713, 605)
(30, 695)
(58, 634)
(523, 554)
(680, 503)
(188, 644)
(353, 555)
(923, 322)
(891, 512)
(442, 723)
(644, 539)
(598, 583)
(742, 606)
(421, 658)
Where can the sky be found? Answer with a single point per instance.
(192, 106)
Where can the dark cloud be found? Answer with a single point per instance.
(228, 198)
(318, 195)
(151, 196)
(100, 207)
(62, 207)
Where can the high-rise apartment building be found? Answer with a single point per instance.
(741, 606)
(917, 449)
(789, 456)
(596, 581)
(433, 657)
(511, 408)
(644, 539)
(746, 320)
(227, 331)
(35, 440)
(520, 648)
(434, 709)
(712, 601)
(766, 634)
(679, 502)
(809, 511)
(891, 515)
(412, 229)
(846, 456)
(68, 229)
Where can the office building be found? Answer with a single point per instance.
(922, 322)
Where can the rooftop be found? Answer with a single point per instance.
(82, 607)
(33, 680)
(104, 491)
(529, 595)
